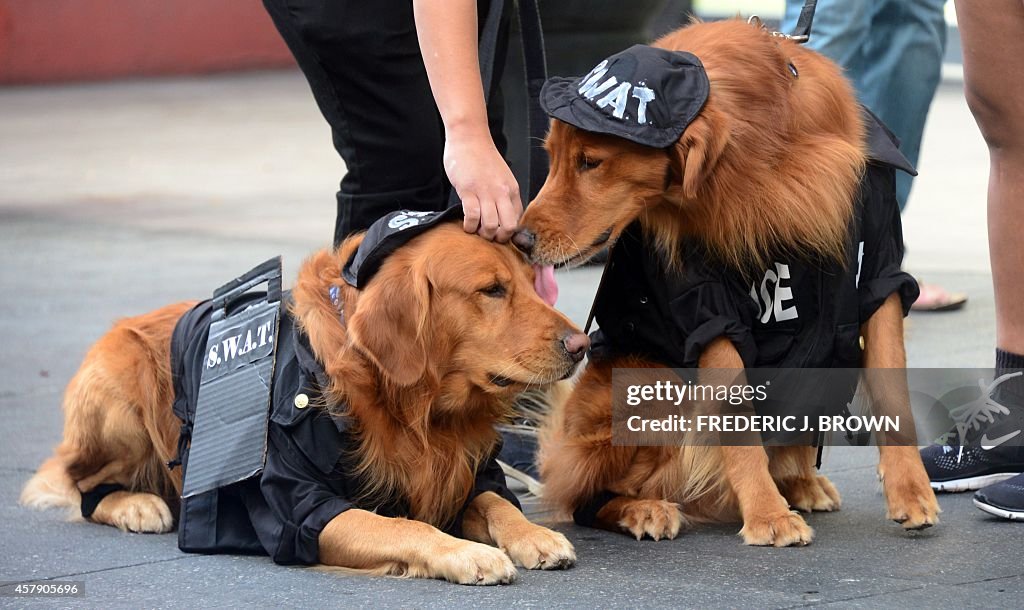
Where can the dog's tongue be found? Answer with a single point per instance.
(545, 283)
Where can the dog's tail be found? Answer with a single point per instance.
(52, 487)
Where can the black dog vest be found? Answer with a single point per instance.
(793, 315)
(307, 479)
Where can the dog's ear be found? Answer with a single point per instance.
(389, 324)
(695, 155)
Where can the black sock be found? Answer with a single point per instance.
(1011, 390)
(1008, 360)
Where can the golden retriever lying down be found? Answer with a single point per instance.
(420, 364)
(772, 172)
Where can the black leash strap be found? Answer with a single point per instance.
(536, 73)
(489, 44)
(802, 33)
(586, 514)
(600, 286)
(91, 499)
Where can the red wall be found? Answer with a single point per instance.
(71, 40)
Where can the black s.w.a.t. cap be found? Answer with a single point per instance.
(387, 235)
(644, 94)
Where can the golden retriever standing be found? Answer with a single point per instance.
(769, 168)
(426, 358)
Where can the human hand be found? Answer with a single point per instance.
(484, 182)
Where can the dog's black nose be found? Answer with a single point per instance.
(576, 345)
(524, 239)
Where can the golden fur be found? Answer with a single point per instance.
(771, 165)
(414, 365)
(761, 169)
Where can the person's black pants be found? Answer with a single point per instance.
(363, 64)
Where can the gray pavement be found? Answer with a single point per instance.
(118, 198)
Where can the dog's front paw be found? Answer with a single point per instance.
(811, 494)
(785, 529)
(135, 512)
(909, 498)
(541, 549)
(655, 518)
(472, 563)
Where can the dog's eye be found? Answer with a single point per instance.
(495, 290)
(586, 163)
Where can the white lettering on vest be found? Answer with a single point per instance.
(229, 348)
(772, 303)
(860, 263)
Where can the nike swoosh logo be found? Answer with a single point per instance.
(991, 443)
